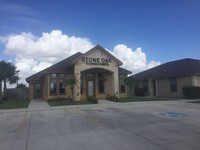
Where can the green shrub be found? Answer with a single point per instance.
(60, 99)
(139, 92)
(191, 92)
(92, 99)
(112, 97)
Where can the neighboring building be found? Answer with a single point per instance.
(97, 71)
(168, 79)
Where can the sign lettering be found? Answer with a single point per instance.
(97, 61)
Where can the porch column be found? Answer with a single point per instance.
(77, 89)
(116, 83)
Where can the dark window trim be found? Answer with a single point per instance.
(57, 79)
(173, 85)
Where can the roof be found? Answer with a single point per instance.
(119, 63)
(66, 65)
(61, 66)
(178, 68)
(123, 71)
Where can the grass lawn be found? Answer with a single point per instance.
(13, 104)
(144, 99)
(65, 103)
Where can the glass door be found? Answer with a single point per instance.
(37, 90)
(90, 88)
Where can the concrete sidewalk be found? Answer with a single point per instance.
(38, 104)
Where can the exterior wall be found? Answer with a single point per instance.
(81, 65)
(198, 81)
(195, 80)
(31, 90)
(164, 87)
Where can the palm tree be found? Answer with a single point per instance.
(7, 74)
(72, 81)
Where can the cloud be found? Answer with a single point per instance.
(33, 54)
(134, 61)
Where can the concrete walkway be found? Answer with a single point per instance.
(38, 104)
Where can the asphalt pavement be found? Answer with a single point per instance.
(163, 125)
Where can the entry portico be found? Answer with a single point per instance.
(97, 72)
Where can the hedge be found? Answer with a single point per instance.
(191, 92)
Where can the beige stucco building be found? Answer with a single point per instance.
(97, 71)
(167, 80)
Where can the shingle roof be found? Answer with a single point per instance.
(61, 66)
(178, 68)
(124, 71)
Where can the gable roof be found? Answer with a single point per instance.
(66, 65)
(119, 63)
(178, 68)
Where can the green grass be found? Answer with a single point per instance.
(14, 104)
(144, 99)
(66, 103)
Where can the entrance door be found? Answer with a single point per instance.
(37, 90)
(90, 88)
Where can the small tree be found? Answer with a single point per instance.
(72, 81)
(7, 74)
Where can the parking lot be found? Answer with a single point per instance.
(163, 125)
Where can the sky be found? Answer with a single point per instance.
(35, 34)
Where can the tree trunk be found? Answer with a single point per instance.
(1, 94)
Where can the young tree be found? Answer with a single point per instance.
(7, 74)
(72, 81)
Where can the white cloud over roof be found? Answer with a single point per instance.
(33, 53)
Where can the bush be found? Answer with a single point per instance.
(60, 99)
(93, 99)
(191, 92)
(112, 97)
(139, 92)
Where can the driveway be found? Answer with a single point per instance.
(163, 125)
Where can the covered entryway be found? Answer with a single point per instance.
(37, 90)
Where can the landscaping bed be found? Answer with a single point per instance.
(65, 103)
(144, 99)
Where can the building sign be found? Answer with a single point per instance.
(97, 61)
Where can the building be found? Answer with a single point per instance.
(98, 73)
(168, 79)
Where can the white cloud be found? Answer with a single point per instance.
(134, 61)
(33, 54)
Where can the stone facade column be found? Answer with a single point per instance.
(77, 89)
(116, 82)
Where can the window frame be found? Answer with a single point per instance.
(173, 85)
(57, 78)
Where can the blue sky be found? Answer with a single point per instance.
(165, 29)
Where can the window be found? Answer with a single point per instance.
(57, 83)
(53, 86)
(101, 82)
(61, 86)
(122, 83)
(90, 75)
(173, 85)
